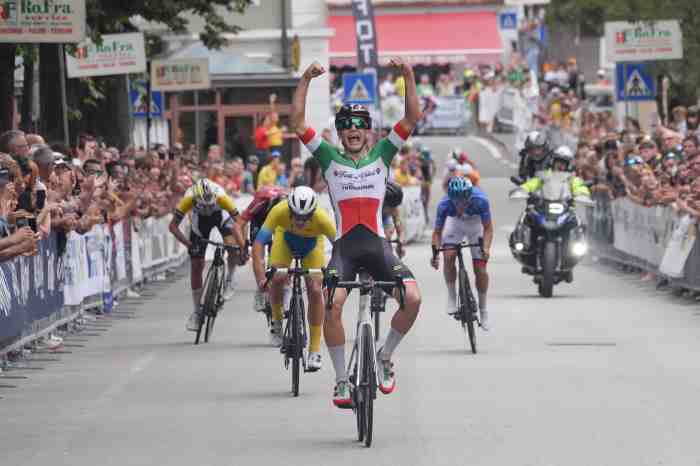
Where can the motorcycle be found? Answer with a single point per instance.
(549, 240)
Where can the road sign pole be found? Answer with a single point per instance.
(624, 89)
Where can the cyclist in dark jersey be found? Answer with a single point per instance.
(356, 179)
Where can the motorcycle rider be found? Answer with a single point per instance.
(561, 161)
(535, 156)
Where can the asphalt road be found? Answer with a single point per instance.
(604, 373)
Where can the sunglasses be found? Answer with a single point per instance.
(632, 162)
(301, 218)
(357, 122)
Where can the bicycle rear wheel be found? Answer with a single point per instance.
(467, 309)
(368, 385)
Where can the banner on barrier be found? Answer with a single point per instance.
(31, 288)
(679, 247)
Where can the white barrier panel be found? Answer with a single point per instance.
(412, 213)
(679, 247)
(85, 266)
(450, 113)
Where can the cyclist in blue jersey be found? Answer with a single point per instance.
(464, 214)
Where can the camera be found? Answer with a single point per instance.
(27, 222)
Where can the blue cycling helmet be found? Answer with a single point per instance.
(459, 188)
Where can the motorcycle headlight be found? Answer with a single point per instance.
(519, 246)
(555, 208)
(579, 249)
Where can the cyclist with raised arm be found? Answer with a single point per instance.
(464, 214)
(295, 227)
(211, 208)
(356, 178)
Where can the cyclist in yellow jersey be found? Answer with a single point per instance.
(211, 207)
(295, 227)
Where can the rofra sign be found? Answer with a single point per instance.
(643, 41)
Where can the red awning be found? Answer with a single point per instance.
(425, 38)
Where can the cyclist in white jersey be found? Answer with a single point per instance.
(356, 179)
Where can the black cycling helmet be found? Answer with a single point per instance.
(394, 195)
(354, 110)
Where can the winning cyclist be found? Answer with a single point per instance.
(211, 207)
(356, 179)
(464, 213)
(295, 227)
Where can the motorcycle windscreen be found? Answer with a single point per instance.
(556, 186)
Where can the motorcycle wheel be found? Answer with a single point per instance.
(549, 261)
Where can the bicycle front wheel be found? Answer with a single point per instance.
(467, 309)
(368, 384)
(211, 302)
(297, 344)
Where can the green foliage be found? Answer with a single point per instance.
(592, 15)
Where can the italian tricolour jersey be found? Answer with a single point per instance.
(356, 189)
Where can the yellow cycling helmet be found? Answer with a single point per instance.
(203, 192)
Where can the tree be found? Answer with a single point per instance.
(592, 14)
(113, 16)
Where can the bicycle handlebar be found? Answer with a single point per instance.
(332, 283)
(222, 245)
(272, 271)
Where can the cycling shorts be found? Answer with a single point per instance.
(286, 245)
(458, 229)
(387, 221)
(362, 249)
(202, 225)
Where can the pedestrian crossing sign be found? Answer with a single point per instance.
(359, 88)
(634, 82)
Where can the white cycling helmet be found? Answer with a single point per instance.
(451, 164)
(465, 168)
(303, 201)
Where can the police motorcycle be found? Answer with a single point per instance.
(549, 240)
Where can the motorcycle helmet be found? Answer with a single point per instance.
(536, 140)
(563, 154)
(394, 195)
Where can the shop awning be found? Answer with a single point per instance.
(423, 38)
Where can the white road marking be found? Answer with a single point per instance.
(489, 146)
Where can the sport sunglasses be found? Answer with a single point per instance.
(357, 122)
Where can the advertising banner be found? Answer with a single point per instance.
(116, 54)
(643, 41)
(49, 21)
(180, 75)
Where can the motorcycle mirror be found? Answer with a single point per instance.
(584, 201)
(516, 180)
(518, 194)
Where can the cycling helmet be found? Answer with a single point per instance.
(451, 165)
(347, 111)
(303, 201)
(394, 195)
(459, 188)
(563, 153)
(203, 192)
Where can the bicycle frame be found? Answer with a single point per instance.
(364, 319)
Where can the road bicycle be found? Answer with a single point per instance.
(467, 310)
(295, 336)
(213, 297)
(363, 359)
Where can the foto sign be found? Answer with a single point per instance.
(48, 21)
(180, 75)
(117, 54)
(366, 33)
(643, 41)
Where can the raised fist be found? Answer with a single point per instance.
(314, 70)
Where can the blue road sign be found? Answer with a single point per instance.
(359, 88)
(137, 94)
(634, 82)
(508, 20)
